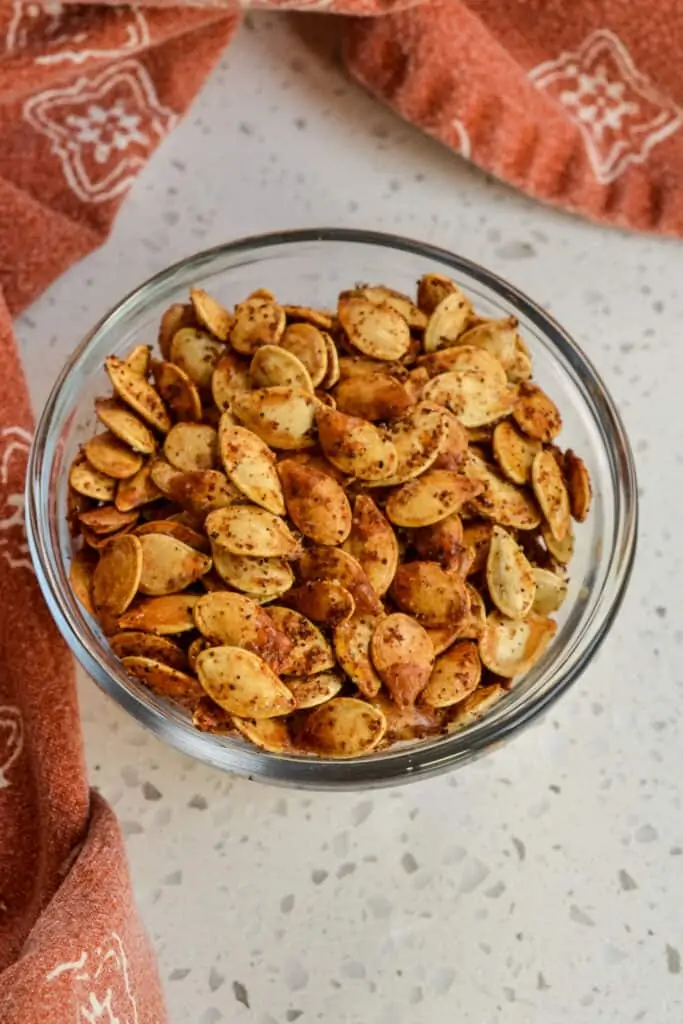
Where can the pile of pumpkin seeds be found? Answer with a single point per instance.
(327, 531)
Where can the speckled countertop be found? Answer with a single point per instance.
(543, 883)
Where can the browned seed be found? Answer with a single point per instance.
(117, 575)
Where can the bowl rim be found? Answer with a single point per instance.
(434, 755)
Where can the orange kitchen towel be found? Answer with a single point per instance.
(582, 109)
(71, 946)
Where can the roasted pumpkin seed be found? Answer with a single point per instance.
(455, 676)
(272, 366)
(311, 691)
(323, 601)
(250, 530)
(168, 565)
(433, 597)
(578, 485)
(250, 464)
(178, 390)
(242, 683)
(165, 616)
(190, 446)
(352, 647)
(551, 493)
(125, 425)
(89, 482)
(433, 496)
(536, 414)
(372, 542)
(403, 656)
(117, 575)
(514, 452)
(282, 417)
(308, 344)
(375, 329)
(315, 502)
(375, 397)
(210, 314)
(310, 652)
(509, 577)
(448, 320)
(134, 390)
(258, 321)
(344, 727)
(355, 446)
(510, 647)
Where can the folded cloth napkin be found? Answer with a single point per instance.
(580, 111)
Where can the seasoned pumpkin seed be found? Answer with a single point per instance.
(242, 683)
(230, 377)
(375, 329)
(311, 691)
(238, 621)
(352, 648)
(272, 366)
(168, 565)
(344, 727)
(323, 601)
(433, 496)
(258, 321)
(316, 503)
(310, 652)
(514, 452)
(509, 577)
(190, 446)
(134, 390)
(125, 425)
(551, 591)
(250, 464)
(210, 314)
(355, 446)
(117, 575)
(475, 706)
(135, 643)
(89, 482)
(510, 647)
(308, 344)
(551, 493)
(448, 320)
(178, 390)
(455, 676)
(403, 656)
(282, 417)
(262, 578)
(165, 616)
(250, 530)
(269, 734)
(372, 542)
(433, 597)
(375, 397)
(578, 485)
(163, 679)
(112, 457)
(536, 414)
(326, 563)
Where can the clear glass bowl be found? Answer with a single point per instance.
(311, 267)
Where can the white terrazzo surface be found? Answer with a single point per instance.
(541, 885)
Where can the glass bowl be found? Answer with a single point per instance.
(311, 267)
